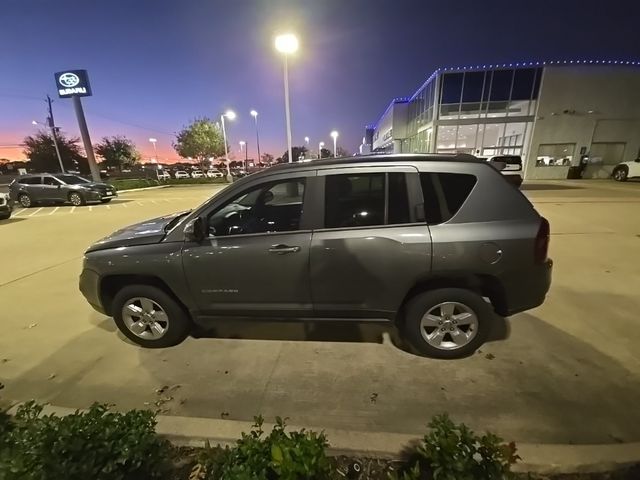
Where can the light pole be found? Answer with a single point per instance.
(320, 145)
(287, 44)
(230, 114)
(243, 146)
(254, 114)
(334, 135)
(55, 140)
(306, 140)
(155, 150)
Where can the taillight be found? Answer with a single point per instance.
(541, 249)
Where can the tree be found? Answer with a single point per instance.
(200, 140)
(295, 153)
(325, 153)
(341, 152)
(267, 158)
(118, 152)
(39, 148)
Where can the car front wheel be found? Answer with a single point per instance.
(150, 317)
(76, 199)
(620, 174)
(447, 322)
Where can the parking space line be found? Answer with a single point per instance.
(72, 209)
(19, 212)
(109, 208)
(54, 210)
(91, 208)
(166, 200)
(139, 203)
(33, 213)
(124, 205)
(153, 201)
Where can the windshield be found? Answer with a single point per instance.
(71, 179)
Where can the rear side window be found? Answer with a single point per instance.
(366, 199)
(444, 194)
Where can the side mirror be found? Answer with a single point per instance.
(194, 231)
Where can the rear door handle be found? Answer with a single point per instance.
(282, 249)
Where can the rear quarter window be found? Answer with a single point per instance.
(444, 194)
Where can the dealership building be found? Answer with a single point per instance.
(553, 114)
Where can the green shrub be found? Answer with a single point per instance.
(279, 455)
(96, 444)
(130, 183)
(454, 452)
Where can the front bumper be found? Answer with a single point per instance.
(89, 285)
(100, 195)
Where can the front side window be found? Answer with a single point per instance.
(50, 181)
(271, 207)
(366, 199)
(444, 194)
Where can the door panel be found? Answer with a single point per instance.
(367, 272)
(250, 274)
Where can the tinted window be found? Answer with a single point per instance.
(473, 82)
(444, 194)
(523, 84)
(72, 179)
(271, 207)
(451, 88)
(50, 181)
(30, 181)
(501, 85)
(398, 210)
(354, 200)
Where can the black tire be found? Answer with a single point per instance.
(25, 200)
(105, 200)
(620, 174)
(421, 304)
(77, 199)
(178, 326)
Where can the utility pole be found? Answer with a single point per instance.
(52, 125)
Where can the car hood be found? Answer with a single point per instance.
(143, 233)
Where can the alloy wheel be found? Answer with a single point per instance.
(25, 201)
(145, 318)
(619, 174)
(75, 199)
(449, 326)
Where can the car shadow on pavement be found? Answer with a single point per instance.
(548, 186)
(11, 220)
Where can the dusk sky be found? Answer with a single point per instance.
(155, 65)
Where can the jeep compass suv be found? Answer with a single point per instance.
(433, 243)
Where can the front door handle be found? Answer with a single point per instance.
(282, 249)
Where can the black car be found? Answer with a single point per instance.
(29, 190)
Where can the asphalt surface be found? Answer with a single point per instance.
(567, 372)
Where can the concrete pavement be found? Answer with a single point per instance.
(568, 372)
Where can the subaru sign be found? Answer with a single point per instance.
(73, 83)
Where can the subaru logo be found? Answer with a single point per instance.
(68, 80)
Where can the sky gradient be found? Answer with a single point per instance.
(157, 64)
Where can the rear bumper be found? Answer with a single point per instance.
(528, 289)
(89, 285)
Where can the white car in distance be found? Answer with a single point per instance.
(163, 175)
(197, 174)
(214, 174)
(181, 174)
(625, 170)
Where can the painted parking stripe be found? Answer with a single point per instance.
(33, 213)
(108, 207)
(153, 201)
(139, 203)
(91, 208)
(54, 210)
(124, 205)
(19, 212)
(72, 209)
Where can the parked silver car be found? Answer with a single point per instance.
(434, 243)
(29, 190)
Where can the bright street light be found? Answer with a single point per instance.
(287, 44)
(320, 145)
(242, 144)
(334, 135)
(230, 114)
(254, 114)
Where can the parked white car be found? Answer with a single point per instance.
(197, 174)
(164, 175)
(181, 174)
(625, 170)
(214, 174)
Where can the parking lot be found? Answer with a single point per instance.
(567, 372)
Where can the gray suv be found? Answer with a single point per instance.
(29, 190)
(434, 243)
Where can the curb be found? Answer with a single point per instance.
(542, 459)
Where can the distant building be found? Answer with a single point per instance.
(550, 113)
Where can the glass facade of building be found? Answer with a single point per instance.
(483, 112)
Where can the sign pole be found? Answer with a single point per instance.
(86, 140)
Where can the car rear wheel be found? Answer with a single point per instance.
(25, 200)
(76, 199)
(620, 174)
(150, 317)
(447, 322)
